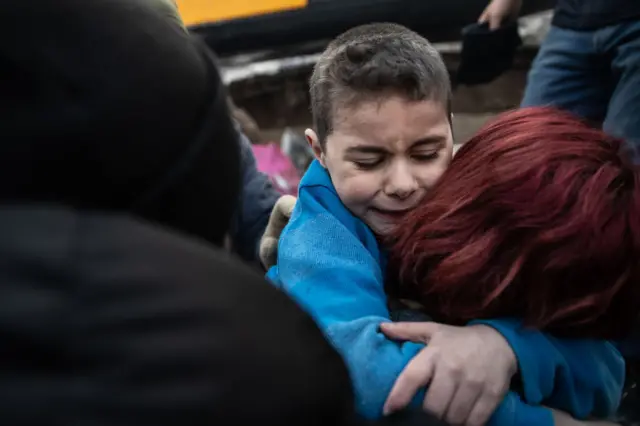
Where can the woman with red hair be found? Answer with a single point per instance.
(537, 219)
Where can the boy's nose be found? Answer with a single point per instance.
(402, 194)
(401, 183)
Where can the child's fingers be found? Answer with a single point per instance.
(287, 203)
(268, 252)
(280, 216)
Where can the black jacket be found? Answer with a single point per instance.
(105, 320)
(594, 14)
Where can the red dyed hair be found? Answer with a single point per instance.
(538, 217)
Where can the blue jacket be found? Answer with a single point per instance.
(330, 263)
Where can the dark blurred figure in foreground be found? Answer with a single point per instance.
(119, 172)
(119, 175)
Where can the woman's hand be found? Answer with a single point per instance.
(468, 371)
(499, 11)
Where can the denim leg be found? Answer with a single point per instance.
(569, 73)
(623, 116)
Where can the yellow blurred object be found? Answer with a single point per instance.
(195, 12)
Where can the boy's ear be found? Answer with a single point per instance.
(314, 143)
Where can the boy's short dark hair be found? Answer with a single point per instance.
(373, 60)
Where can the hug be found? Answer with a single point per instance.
(527, 241)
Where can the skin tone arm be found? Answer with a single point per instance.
(499, 11)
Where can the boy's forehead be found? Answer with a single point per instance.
(391, 117)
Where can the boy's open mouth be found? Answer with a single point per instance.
(391, 214)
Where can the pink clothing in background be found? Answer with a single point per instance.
(275, 164)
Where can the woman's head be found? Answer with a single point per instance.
(537, 218)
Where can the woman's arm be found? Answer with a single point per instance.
(579, 376)
(582, 377)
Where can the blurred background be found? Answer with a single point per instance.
(267, 50)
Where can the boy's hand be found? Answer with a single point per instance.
(468, 371)
(277, 221)
(500, 11)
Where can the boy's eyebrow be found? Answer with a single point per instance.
(371, 149)
(429, 140)
(366, 149)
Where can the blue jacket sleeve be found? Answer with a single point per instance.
(581, 377)
(327, 270)
(258, 197)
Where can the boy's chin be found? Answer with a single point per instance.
(381, 228)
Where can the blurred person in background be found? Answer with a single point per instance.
(259, 196)
(257, 200)
(589, 63)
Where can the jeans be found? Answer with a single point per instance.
(594, 74)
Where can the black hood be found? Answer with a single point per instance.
(112, 105)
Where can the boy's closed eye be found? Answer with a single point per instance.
(425, 155)
(367, 163)
(427, 149)
(372, 161)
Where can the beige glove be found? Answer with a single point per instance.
(277, 221)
